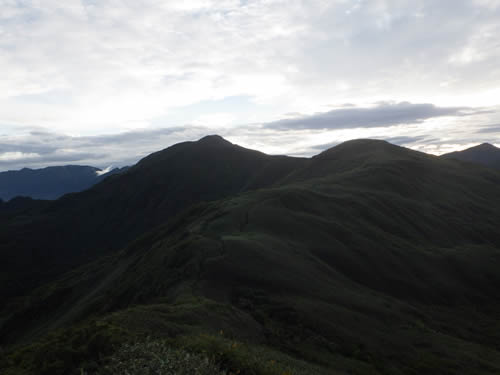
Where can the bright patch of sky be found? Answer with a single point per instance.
(109, 81)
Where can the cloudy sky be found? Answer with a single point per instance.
(105, 82)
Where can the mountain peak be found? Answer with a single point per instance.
(486, 146)
(365, 142)
(214, 139)
(485, 153)
(361, 147)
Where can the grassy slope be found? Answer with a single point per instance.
(37, 246)
(370, 259)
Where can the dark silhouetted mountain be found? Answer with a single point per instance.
(485, 154)
(21, 204)
(366, 259)
(50, 182)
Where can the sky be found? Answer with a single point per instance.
(106, 82)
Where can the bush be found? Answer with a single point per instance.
(158, 358)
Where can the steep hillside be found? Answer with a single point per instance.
(78, 227)
(367, 259)
(485, 154)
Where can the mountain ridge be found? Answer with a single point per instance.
(380, 260)
(123, 206)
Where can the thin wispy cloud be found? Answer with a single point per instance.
(494, 129)
(384, 114)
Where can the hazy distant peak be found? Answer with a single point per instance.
(47, 183)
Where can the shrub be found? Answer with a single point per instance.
(158, 358)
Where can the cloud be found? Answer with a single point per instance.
(104, 171)
(490, 129)
(15, 160)
(406, 140)
(382, 115)
(92, 67)
(16, 156)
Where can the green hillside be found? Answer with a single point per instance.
(52, 239)
(366, 259)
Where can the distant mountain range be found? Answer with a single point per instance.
(368, 258)
(485, 154)
(50, 182)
